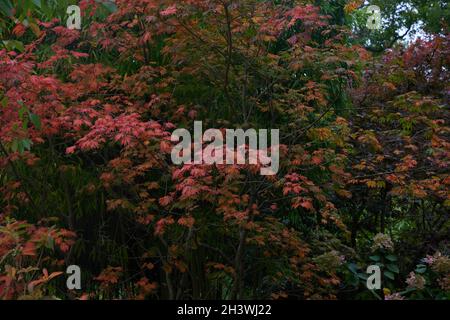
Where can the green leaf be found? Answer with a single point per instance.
(353, 267)
(19, 46)
(25, 124)
(393, 268)
(4, 102)
(13, 44)
(38, 3)
(6, 7)
(34, 118)
(21, 112)
(389, 275)
(26, 143)
(374, 258)
(15, 145)
(49, 243)
(21, 147)
(391, 257)
(421, 268)
(111, 6)
(363, 276)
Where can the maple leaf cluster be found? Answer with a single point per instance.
(86, 175)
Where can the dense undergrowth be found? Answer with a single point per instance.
(86, 176)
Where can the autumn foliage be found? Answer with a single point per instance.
(86, 176)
